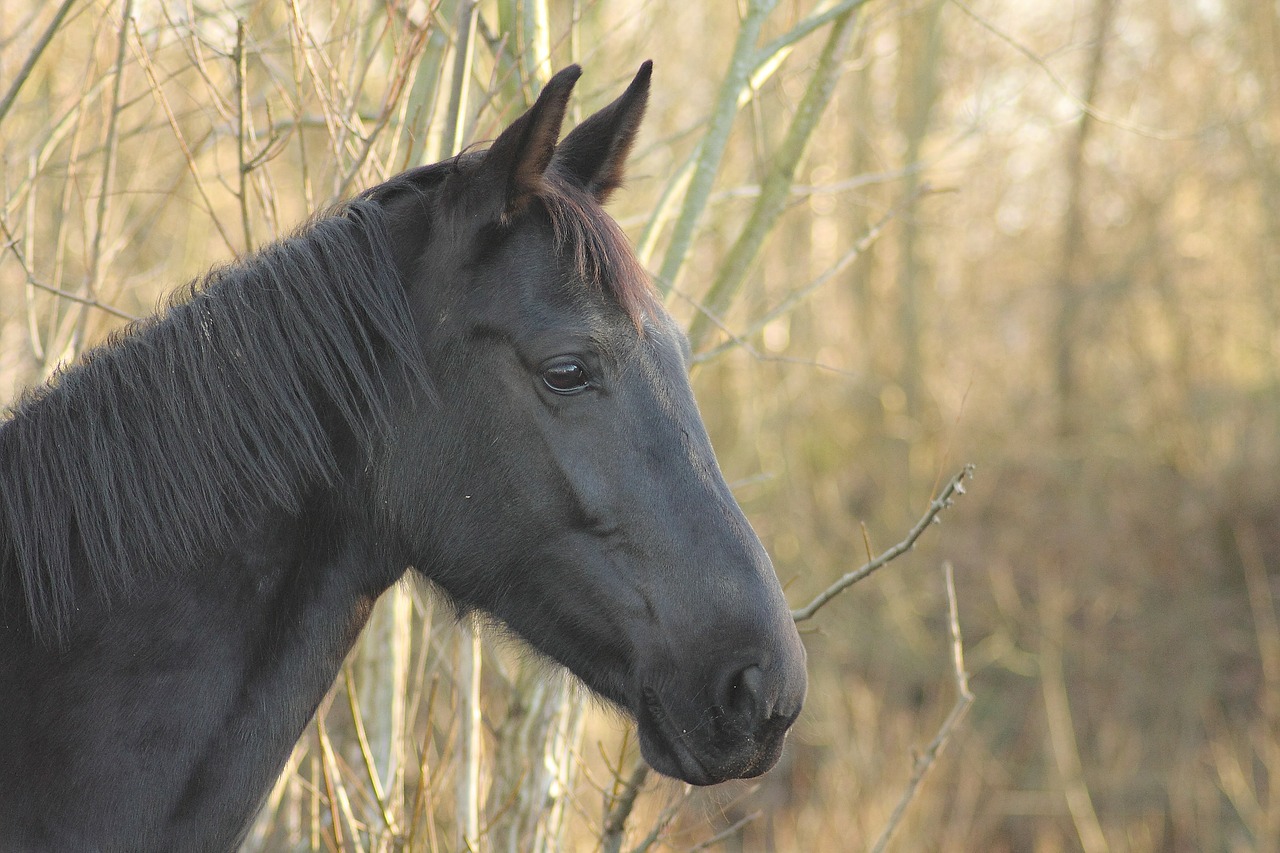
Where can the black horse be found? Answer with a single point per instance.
(464, 371)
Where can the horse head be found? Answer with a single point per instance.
(556, 472)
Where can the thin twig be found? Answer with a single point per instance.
(964, 698)
(144, 59)
(800, 294)
(664, 820)
(366, 754)
(796, 192)
(423, 802)
(1057, 707)
(1266, 833)
(36, 51)
(470, 668)
(953, 487)
(334, 119)
(403, 71)
(729, 831)
(87, 301)
(94, 271)
(13, 244)
(242, 128)
(327, 762)
(615, 823)
(735, 340)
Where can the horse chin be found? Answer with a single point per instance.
(704, 755)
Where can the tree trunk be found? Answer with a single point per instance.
(1073, 247)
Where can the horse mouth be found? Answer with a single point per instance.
(709, 751)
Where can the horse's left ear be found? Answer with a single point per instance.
(595, 152)
(522, 152)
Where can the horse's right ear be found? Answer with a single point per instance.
(595, 152)
(521, 154)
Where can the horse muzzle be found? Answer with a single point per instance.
(734, 728)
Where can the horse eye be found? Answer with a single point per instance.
(566, 377)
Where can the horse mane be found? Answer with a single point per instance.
(162, 444)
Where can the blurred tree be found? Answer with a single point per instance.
(1073, 251)
(1092, 316)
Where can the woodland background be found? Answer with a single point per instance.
(1041, 237)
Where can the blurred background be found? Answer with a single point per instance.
(904, 235)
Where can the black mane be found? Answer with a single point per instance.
(165, 442)
(161, 445)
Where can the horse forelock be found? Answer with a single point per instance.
(602, 255)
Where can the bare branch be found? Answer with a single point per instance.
(456, 124)
(1063, 746)
(402, 75)
(25, 71)
(87, 301)
(712, 148)
(13, 244)
(1084, 104)
(800, 294)
(242, 129)
(144, 59)
(953, 487)
(964, 698)
(110, 144)
(329, 767)
(726, 833)
(664, 820)
(807, 26)
(366, 754)
(470, 741)
(775, 189)
(615, 823)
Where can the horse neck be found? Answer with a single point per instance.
(223, 666)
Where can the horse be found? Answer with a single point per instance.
(462, 374)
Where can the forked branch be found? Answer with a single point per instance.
(964, 698)
(953, 487)
(615, 824)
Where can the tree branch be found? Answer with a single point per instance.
(12, 244)
(109, 149)
(776, 187)
(25, 71)
(807, 26)
(615, 824)
(925, 760)
(800, 294)
(954, 487)
(716, 139)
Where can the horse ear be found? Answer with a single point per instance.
(522, 152)
(595, 152)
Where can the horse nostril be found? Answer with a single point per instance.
(745, 697)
